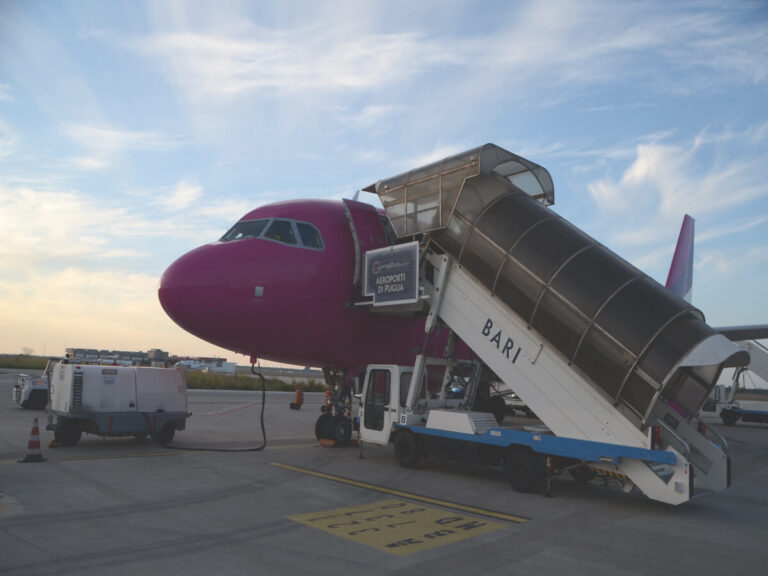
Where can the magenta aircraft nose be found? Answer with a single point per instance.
(201, 291)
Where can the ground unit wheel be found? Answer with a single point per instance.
(729, 418)
(37, 400)
(582, 474)
(67, 433)
(498, 407)
(407, 449)
(342, 429)
(321, 425)
(165, 436)
(523, 468)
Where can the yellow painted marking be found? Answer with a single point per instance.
(112, 456)
(398, 527)
(410, 496)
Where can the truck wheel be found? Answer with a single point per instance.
(67, 433)
(407, 449)
(321, 424)
(165, 436)
(498, 407)
(342, 430)
(523, 468)
(729, 418)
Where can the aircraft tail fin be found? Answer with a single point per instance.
(680, 279)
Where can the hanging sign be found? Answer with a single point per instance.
(392, 274)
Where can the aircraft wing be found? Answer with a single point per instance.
(741, 333)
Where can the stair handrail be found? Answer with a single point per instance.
(686, 445)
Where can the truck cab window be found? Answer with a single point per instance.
(376, 399)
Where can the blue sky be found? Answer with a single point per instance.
(132, 132)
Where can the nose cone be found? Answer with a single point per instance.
(200, 291)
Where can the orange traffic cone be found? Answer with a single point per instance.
(33, 447)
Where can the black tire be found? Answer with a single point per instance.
(523, 468)
(293, 405)
(37, 400)
(165, 436)
(582, 474)
(407, 449)
(321, 424)
(342, 430)
(67, 433)
(498, 407)
(729, 418)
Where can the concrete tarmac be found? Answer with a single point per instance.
(120, 506)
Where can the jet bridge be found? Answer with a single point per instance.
(595, 347)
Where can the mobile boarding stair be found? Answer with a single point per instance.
(597, 349)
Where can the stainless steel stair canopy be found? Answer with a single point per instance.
(631, 338)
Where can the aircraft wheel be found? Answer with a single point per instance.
(523, 468)
(342, 430)
(729, 418)
(321, 424)
(407, 449)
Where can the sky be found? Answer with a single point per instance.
(132, 132)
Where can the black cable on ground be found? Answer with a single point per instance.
(263, 430)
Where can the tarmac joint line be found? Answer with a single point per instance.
(408, 495)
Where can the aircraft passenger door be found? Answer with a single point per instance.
(379, 406)
(367, 232)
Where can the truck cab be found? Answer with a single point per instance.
(30, 392)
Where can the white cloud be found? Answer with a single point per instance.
(89, 163)
(110, 309)
(38, 226)
(580, 44)
(370, 115)
(730, 228)
(182, 196)
(319, 58)
(104, 139)
(724, 263)
(670, 179)
(7, 140)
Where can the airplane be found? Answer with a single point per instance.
(680, 282)
(284, 284)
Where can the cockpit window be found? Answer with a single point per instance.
(282, 231)
(245, 229)
(310, 236)
(279, 230)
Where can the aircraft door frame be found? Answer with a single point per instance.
(367, 233)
